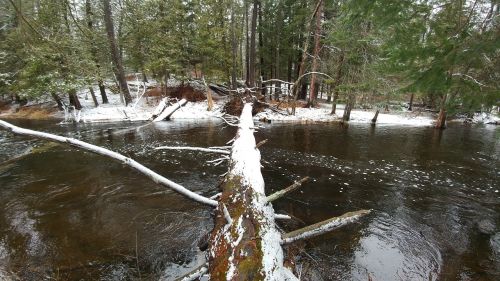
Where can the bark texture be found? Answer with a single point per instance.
(115, 53)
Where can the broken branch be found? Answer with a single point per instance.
(209, 150)
(289, 189)
(323, 227)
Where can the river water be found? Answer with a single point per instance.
(71, 215)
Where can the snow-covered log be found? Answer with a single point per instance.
(165, 115)
(323, 227)
(113, 155)
(249, 247)
(159, 109)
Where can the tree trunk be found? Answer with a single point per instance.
(262, 71)
(58, 100)
(253, 52)
(348, 107)
(94, 98)
(247, 45)
(304, 57)
(441, 120)
(234, 49)
(93, 51)
(245, 244)
(374, 120)
(115, 55)
(313, 91)
(102, 90)
(410, 107)
(73, 99)
(336, 83)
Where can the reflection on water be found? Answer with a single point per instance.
(70, 215)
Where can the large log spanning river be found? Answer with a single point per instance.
(72, 215)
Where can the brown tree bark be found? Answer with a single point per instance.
(234, 49)
(441, 120)
(336, 83)
(73, 99)
(304, 57)
(115, 54)
(253, 52)
(94, 98)
(313, 90)
(93, 51)
(58, 100)
(410, 107)
(374, 120)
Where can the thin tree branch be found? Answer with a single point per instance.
(202, 149)
(323, 227)
(287, 190)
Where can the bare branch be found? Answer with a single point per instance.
(282, 217)
(261, 143)
(192, 148)
(323, 227)
(289, 189)
(470, 78)
(113, 155)
(276, 80)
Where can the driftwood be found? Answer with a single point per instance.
(245, 243)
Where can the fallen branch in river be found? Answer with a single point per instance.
(113, 155)
(287, 190)
(202, 149)
(323, 227)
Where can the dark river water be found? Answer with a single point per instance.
(71, 215)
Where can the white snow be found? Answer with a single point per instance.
(322, 114)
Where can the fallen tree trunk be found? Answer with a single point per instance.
(245, 244)
(165, 115)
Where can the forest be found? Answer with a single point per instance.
(440, 55)
(249, 140)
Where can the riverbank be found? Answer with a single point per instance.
(142, 110)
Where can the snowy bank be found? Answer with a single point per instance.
(322, 114)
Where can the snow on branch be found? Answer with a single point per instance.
(470, 78)
(323, 227)
(192, 148)
(287, 190)
(114, 155)
(276, 80)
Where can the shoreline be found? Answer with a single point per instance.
(116, 112)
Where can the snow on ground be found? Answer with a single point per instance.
(142, 110)
(322, 114)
